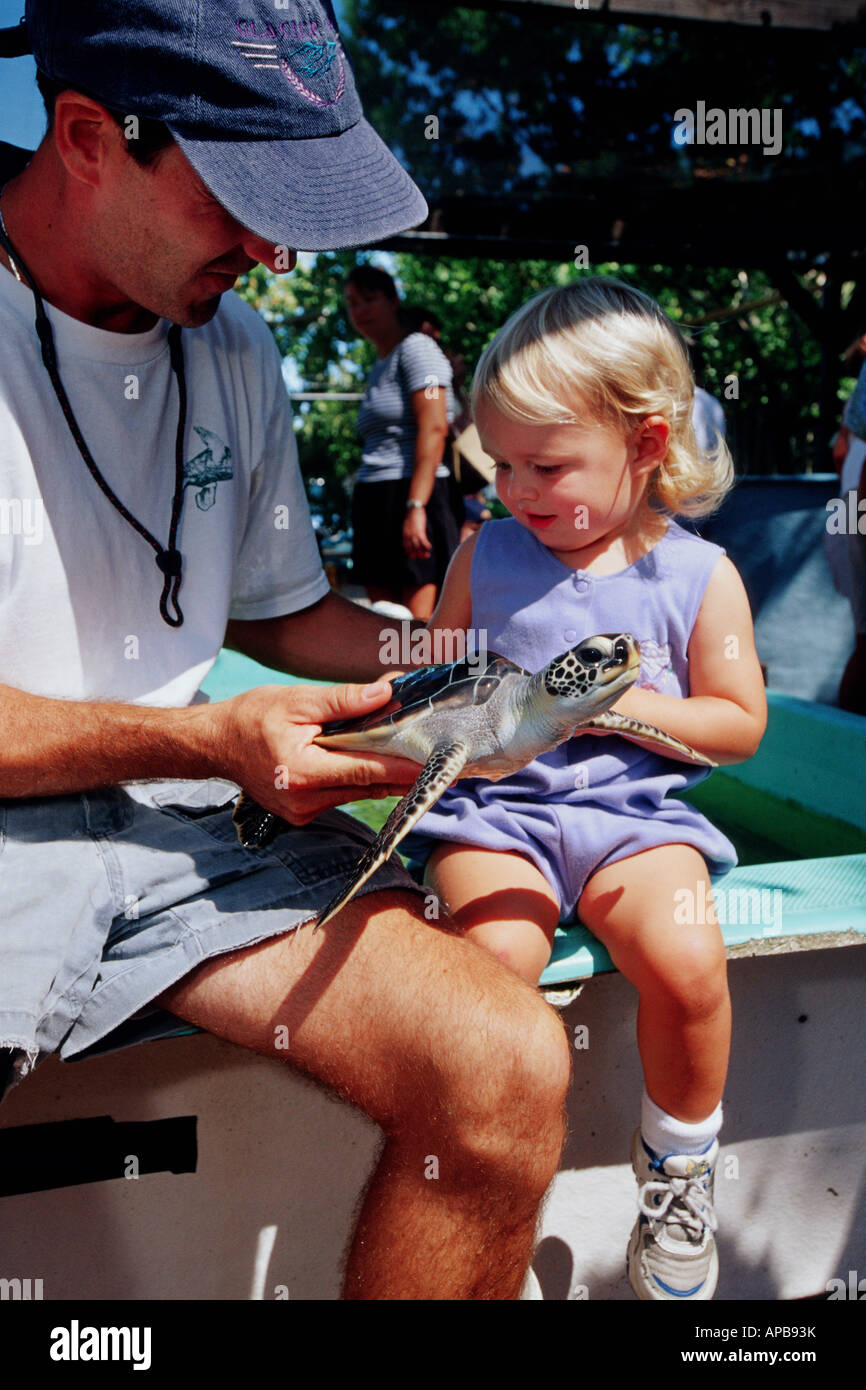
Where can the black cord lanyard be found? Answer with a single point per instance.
(168, 558)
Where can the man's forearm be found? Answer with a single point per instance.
(54, 746)
(334, 640)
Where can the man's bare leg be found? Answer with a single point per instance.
(456, 1058)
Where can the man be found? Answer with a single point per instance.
(159, 509)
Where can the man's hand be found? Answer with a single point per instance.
(265, 744)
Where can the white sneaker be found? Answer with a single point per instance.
(672, 1252)
(389, 609)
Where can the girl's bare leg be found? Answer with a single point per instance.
(499, 900)
(679, 969)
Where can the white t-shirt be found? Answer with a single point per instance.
(79, 588)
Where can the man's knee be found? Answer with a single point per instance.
(497, 1102)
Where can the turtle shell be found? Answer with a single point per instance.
(432, 688)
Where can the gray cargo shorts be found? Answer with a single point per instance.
(109, 897)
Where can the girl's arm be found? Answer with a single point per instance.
(725, 714)
(453, 613)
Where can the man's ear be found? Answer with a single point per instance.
(86, 136)
(650, 444)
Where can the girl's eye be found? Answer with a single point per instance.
(502, 464)
(551, 469)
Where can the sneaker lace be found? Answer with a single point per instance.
(684, 1201)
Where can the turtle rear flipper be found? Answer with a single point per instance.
(444, 765)
(647, 735)
(255, 825)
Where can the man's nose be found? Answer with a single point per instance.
(279, 259)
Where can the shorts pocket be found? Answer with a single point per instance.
(207, 804)
(195, 799)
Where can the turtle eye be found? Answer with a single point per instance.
(591, 655)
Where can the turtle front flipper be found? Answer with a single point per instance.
(647, 735)
(444, 765)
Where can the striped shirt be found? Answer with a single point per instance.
(386, 421)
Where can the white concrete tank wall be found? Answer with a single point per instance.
(276, 1151)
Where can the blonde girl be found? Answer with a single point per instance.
(584, 400)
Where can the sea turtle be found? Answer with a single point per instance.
(460, 721)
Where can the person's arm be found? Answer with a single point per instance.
(335, 639)
(432, 425)
(841, 445)
(725, 714)
(54, 746)
(262, 740)
(453, 612)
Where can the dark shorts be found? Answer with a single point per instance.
(110, 897)
(378, 513)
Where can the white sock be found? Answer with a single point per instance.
(666, 1135)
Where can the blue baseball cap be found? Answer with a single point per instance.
(260, 98)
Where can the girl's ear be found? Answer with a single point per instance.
(650, 443)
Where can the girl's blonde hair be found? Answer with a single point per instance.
(601, 347)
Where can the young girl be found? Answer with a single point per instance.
(584, 400)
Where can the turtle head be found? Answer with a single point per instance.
(593, 674)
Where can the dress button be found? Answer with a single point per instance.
(581, 582)
(570, 635)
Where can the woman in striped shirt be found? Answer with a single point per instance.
(405, 530)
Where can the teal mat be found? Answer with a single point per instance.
(799, 897)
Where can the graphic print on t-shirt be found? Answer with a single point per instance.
(656, 668)
(211, 466)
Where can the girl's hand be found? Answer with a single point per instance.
(415, 541)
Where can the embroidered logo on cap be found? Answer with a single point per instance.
(313, 55)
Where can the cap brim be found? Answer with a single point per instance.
(322, 194)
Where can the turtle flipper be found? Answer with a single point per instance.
(444, 765)
(255, 825)
(646, 735)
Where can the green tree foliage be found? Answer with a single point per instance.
(761, 363)
(537, 103)
(531, 98)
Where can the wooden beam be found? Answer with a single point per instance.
(734, 311)
(782, 14)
